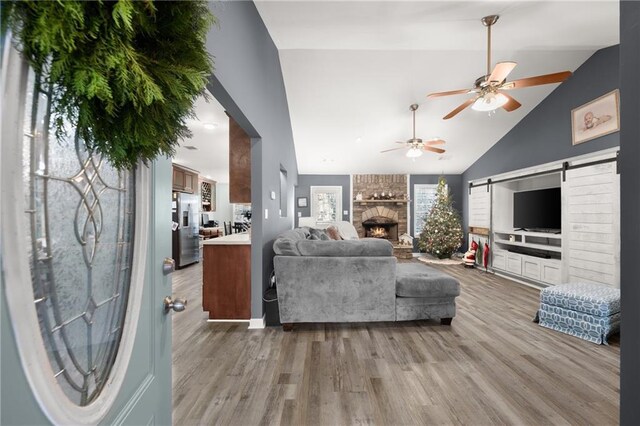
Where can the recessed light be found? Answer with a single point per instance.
(358, 140)
(210, 125)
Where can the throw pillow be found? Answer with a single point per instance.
(333, 233)
(319, 234)
(347, 230)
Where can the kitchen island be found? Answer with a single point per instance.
(226, 277)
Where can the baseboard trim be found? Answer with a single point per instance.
(257, 323)
(254, 323)
(512, 278)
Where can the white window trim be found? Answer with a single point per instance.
(316, 189)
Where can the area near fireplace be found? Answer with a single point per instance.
(381, 218)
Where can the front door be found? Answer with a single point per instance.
(84, 332)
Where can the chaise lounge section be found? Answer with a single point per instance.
(423, 292)
(355, 281)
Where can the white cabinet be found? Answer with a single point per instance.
(499, 260)
(550, 271)
(534, 268)
(588, 250)
(531, 267)
(514, 263)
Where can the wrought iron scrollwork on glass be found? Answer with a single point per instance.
(81, 215)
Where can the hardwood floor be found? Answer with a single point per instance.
(493, 365)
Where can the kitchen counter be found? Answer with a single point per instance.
(233, 239)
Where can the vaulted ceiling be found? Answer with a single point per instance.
(352, 68)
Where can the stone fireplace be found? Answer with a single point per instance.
(380, 218)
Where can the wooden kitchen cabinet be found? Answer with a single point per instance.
(226, 277)
(189, 185)
(184, 180)
(239, 164)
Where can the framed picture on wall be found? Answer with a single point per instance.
(303, 202)
(596, 118)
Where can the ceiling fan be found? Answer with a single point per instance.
(488, 89)
(417, 146)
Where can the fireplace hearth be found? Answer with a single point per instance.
(381, 227)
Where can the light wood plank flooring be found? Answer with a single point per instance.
(491, 366)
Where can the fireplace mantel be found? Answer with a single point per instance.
(381, 201)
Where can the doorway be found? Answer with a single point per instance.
(223, 212)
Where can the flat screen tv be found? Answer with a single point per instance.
(537, 210)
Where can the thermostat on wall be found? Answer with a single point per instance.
(273, 195)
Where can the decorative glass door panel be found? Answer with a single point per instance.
(80, 216)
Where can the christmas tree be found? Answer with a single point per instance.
(442, 233)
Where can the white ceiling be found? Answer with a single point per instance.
(352, 68)
(211, 158)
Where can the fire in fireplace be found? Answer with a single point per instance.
(378, 232)
(381, 227)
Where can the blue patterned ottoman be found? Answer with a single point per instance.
(588, 311)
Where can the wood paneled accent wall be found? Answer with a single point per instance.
(239, 164)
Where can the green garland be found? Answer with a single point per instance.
(124, 73)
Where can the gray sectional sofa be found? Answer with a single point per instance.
(355, 281)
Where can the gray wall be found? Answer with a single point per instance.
(305, 182)
(630, 199)
(248, 83)
(544, 135)
(455, 189)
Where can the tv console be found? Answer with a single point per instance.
(535, 256)
(587, 248)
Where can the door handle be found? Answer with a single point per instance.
(177, 305)
(168, 265)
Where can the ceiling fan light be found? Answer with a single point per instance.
(489, 102)
(414, 152)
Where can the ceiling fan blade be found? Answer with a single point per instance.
(501, 71)
(402, 142)
(538, 80)
(435, 142)
(452, 92)
(433, 149)
(392, 149)
(460, 108)
(511, 104)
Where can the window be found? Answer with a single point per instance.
(326, 203)
(424, 195)
(283, 191)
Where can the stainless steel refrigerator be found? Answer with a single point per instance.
(186, 236)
